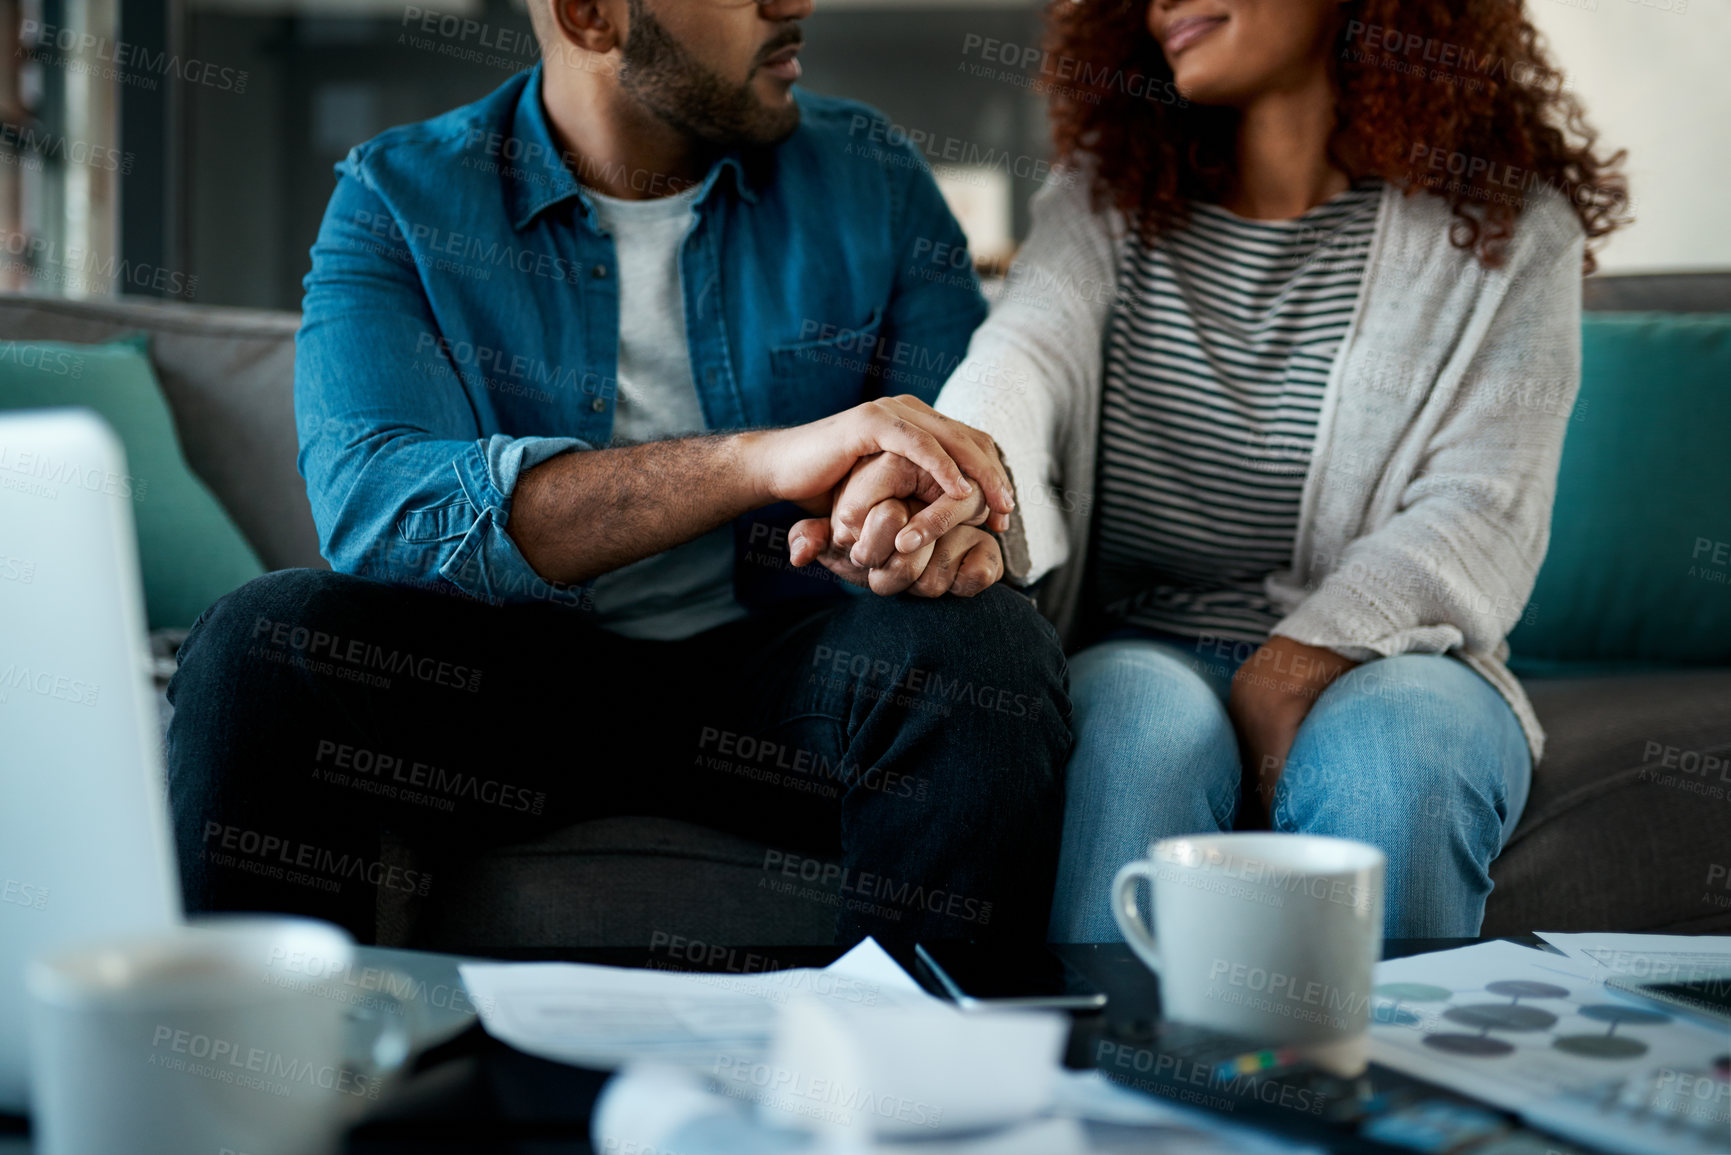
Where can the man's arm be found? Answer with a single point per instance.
(404, 486)
(584, 514)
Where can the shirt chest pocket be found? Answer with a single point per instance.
(836, 368)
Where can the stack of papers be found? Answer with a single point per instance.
(607, 1017)
(855, 1057)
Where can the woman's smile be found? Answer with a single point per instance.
(1187, 30)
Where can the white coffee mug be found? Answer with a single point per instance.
(209, 1038)
(1268, 936)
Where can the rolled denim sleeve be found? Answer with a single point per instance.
(403, 484)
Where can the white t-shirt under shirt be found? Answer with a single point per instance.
(689, 588)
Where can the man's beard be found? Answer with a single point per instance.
(662, 76)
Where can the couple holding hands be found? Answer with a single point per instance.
(1217, 521)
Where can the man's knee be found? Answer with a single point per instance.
(997, 625)
(986, 674)
(287, 598)
(948, 641)
(993, 654)
(263, 626)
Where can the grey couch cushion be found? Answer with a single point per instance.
(228, 375)
(1613, 837)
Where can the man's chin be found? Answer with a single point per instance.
(773, 123)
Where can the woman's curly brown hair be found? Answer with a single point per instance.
(1454, 98)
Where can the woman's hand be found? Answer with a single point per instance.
(964, 561)
(1272, 693)
(893, 528)
(887, 476)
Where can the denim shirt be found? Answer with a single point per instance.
(461, 323)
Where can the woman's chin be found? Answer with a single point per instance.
(1209, 87)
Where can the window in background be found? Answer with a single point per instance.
(59, 161)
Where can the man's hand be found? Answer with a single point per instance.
(1272, 693)
(805, 464)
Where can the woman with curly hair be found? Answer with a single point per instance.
(1282, 375)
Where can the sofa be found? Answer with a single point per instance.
(1619, 834)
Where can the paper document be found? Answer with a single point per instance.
(738, 1065)
(1661, 957)
(605, 1017)
(660, 1109)
(1540, 1035)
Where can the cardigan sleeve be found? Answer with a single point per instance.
(1454, 566)
(1036, 358)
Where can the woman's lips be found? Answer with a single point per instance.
(784, 64)
(1183, 33)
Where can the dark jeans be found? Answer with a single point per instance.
(912, 749)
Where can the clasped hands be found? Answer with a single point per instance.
(892, 527)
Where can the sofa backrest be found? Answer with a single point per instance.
(229, 378)
(1658, 293)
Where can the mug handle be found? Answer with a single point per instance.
(382, 1053)
(1135, 931)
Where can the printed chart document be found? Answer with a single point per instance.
(604, 1017)
(1540, 1035)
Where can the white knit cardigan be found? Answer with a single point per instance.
(1427, 508)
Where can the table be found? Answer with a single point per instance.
(470, 1095)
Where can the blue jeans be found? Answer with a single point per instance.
(1416, 755)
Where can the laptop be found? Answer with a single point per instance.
(85, 842)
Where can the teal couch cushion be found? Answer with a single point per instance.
(190, 551)
(1639, 569)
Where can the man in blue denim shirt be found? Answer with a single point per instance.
(554, 345)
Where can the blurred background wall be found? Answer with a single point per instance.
(188, 144)
(1656, 79)
(259, 170)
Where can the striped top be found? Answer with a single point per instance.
(1215, 363)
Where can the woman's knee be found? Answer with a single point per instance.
(1402, 744)
(1129, 677)
(1142, 711)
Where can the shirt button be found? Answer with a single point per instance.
(599, 272)
(598, 405)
